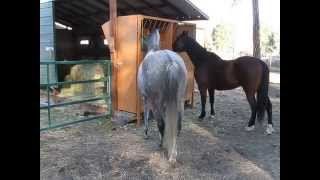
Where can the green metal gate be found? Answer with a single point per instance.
(106, 95)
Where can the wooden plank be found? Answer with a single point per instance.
(46, 38)
(138, 59)
(43, 45)
(113, 33)
(46, 30)
(45, 5)
(191, 28)
(127, 63)
(46, 12)
(172, 6)
(48, 20)
(154, 8)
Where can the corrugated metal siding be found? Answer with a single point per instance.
(47, 40)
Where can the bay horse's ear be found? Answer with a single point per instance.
(185, 33)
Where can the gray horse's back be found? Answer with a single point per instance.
(162, 80)
(156, 70)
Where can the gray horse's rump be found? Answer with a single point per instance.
(162, 80)
(157, 69)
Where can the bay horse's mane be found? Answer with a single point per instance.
(201, 54)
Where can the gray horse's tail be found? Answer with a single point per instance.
(171, 112)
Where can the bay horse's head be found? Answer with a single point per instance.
(180, 44)
(152, 41)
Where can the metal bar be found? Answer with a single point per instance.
(75, 62)
(48, 97)
(74, 82)
(109, 88)
(74, 122)
(105, 73)
(107, 95)
(72, 102)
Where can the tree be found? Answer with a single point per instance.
(268, 41)
(256, 27)
(221, 37)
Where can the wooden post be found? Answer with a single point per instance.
(139, 57)
(113, 33)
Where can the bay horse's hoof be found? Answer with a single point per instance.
(269, 129)
(212, 116)
(201, 117)
(251, 128)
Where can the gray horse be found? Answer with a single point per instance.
(162, 81)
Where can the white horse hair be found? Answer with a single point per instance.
(162, 81)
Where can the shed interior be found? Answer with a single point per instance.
(82, 20)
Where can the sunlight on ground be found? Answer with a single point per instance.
(274, 78)
(244, 165)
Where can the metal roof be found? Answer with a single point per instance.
(93, 13)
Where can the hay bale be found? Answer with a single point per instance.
(85, 72)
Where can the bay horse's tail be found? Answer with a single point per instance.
(171, 112)
(262, 94)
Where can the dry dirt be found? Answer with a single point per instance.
(211, 149)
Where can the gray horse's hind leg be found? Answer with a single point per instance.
(146, 112)
(179, 122)
(161, 125)
(180, 116)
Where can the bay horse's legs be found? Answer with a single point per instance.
(203, 93)
(211, 94)
(269, 111)
(253, 105)
(161, 125)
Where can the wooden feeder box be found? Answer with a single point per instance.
(127, 42)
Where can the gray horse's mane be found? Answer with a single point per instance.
(153, 40)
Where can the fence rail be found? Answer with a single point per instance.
(106, 97)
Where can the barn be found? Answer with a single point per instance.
(76, 30)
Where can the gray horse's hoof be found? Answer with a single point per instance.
(146, 136)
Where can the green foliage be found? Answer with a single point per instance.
(268, 41)
(222, 37)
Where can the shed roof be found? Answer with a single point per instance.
(95, 12)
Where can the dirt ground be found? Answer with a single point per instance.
(210, 149)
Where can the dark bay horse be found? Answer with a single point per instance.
(212, 73)
(162, 81)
